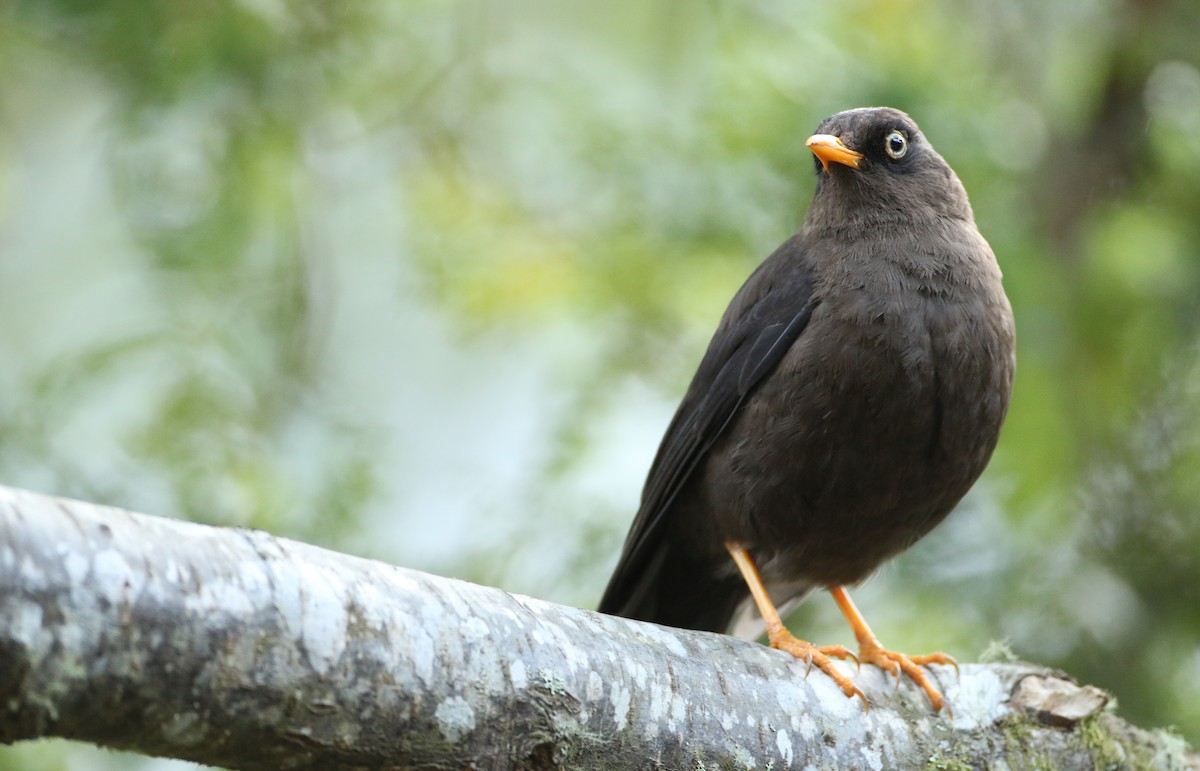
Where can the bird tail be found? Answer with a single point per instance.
(674, 590)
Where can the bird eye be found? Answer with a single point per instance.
(896, 145)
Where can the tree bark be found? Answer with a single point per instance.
(232, 647)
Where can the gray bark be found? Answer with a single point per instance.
(232, 647)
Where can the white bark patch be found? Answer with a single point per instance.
(455, 719)
(113, 576)
(31, 573)
(323, 619)
(475, 629)
(224, 595)
(784, 743)
(660, 699)
(407, 646)
(483, 668)
(595, 686)
(808, 727)
(678, 712)
(518, 676)
(662, 637)
(76, 566)
(26, 626)
(285, 587)
(421, 651)
(788, 696)
(620, 698)
(979, 700)
(873, 758)
(638, 673)
(576, 655)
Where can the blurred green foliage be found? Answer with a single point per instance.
(424, 280)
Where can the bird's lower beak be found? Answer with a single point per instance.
(829, 149)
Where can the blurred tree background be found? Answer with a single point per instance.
(424, 281)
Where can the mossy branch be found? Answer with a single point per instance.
(232, 647)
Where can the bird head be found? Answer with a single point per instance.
(875, 166)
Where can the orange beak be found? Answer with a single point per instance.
(829, 149)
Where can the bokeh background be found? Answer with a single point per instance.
(424, 281)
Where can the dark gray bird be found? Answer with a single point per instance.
(852, 394)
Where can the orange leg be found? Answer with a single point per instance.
(778, 635)
(871, 652)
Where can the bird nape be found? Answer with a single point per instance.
(852, 393)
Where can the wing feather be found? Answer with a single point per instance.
(762, 323)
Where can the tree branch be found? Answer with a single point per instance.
(232, 647)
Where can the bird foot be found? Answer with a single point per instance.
(819, 656)
(872, 652)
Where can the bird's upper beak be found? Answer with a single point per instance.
(829, 148)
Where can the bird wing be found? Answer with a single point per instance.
(763, 320)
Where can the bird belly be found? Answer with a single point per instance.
(879, 450)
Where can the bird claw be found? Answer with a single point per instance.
(820, 656)
(897, 663)
(937, 658)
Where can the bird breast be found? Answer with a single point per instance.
(887, 408)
